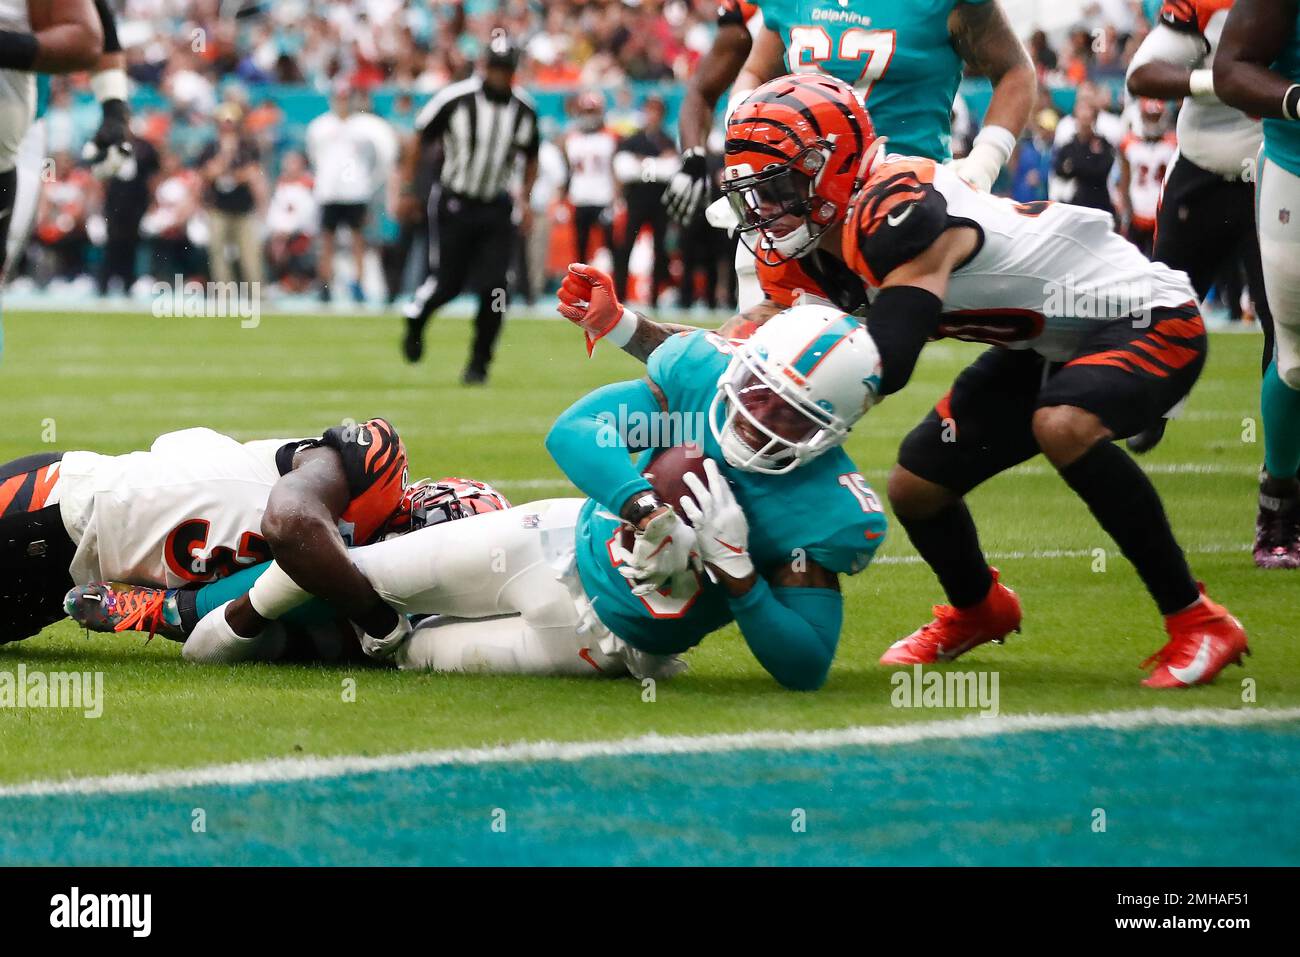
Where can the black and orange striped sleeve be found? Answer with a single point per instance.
(898, 216)
(374, 461)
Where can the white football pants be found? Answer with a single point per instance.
(505, 587)
(1277, 194)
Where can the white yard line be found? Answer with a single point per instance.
(1052, 553)
(318, 768)
(1152, 468)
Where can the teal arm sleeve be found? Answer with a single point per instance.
(590, 441)
(216, 594)
(793, 632)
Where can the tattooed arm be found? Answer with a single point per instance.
(650, 334)
(983, 38)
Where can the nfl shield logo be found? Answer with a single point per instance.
(1284, 216)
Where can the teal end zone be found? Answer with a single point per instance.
(1183, 796)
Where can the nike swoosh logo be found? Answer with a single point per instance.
(872, 536)
(585, 655)
(895, 218)
(732, 548)
(1195, 670)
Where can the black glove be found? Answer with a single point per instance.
(688, 187)
(111, 146)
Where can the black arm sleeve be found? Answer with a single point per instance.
(901, 320)
(109, 22)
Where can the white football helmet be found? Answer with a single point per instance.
(794, 389)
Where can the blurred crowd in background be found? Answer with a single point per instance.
(233, 102)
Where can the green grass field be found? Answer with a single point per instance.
(113, 382)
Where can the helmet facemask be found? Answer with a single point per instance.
(763, 199)
(427, 502)
(764, 423)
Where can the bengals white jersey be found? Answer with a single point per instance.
(190, 509)
(17, 90)
(1211, 134)
(1148, 161)
(591, 167)
(1042, 277)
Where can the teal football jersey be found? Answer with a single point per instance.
(823, 511)
(1282, 137)
(42, 95)
(896, 53)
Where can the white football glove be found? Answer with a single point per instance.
(385, 647)
(721, 529)
(664, 553)
(688, 186)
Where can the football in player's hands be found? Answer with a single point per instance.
(587, 298)
(667, 471)
(721, 528)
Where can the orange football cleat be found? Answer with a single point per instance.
(1203, 640)
(956, 631)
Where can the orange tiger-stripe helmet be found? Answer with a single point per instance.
(797, 146)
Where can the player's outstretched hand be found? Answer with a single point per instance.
(721, 529)
(588, 300)
(662, 554)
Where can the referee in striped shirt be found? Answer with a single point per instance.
(484, 124)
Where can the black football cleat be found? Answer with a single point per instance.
(413, 344)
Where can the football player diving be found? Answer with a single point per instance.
(936, 258)
(622, 582)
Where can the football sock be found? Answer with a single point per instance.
(950, 545)
(193, 604)
(1281, 408)
(1128, 507)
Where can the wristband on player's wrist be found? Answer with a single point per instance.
(999, 141)
(1291, 102)
(18, 50)
(109, 85)
(639, 507)
(620, 333)
(1200, 84)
